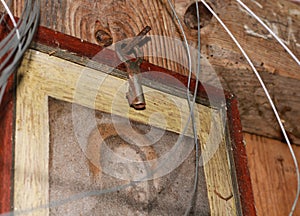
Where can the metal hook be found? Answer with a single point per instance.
(135, 95)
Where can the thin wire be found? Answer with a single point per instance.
(3, 14)
(191, 106)
(270, 31)
(188, 210)
(12, 19)
(269, 99)
(298, 62)
(2, 89)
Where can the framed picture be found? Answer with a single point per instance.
(77, 148)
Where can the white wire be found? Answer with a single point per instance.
(269, 99)
(270, 31)
(194, 100)
(12, 19)
(191, 106)
(186, 45)
(2, 88)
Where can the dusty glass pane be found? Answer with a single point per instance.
(80, 186)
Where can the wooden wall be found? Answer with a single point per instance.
(273, 175)
(271, 168)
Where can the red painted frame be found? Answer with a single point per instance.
(6, 146)
(85, 49)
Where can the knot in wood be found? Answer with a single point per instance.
(103, 38)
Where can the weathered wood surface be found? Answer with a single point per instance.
(43, 75)
(6, 147)
(122, 19)
(273, 175)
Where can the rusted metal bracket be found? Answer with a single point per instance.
(135, 95)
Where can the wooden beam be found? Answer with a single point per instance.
(256, 114)
(79, 18)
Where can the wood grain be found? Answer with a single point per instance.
(44, 75)
(219, 204)
(31, 149)
(123, 19)
(265, 52)
(273, 175)
(126, 18)
(255, 111)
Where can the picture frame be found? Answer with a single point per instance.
(48, 70)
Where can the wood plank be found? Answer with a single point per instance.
(31, 150)
(223, 196)
(273, 175)
(44, 75)
(256, 114)
(78, 18)
(281, 16)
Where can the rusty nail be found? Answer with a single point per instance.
(135, 41)
(135, 95)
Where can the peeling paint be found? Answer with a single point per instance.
(289, 38)
(258, 4)
(255, 34)
(294, 12)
